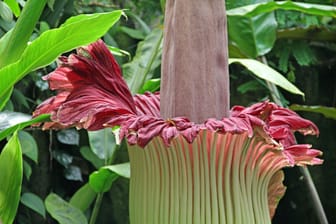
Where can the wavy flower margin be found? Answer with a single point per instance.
(92, 94)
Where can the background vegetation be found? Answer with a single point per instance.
(67, 174)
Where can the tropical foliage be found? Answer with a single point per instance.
(279, 50)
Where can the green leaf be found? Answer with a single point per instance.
(21, 33)
(5, 12)
(83, 198)
(62, 211)
(101, 180)
(77, 31)
(34, 202)
(14, 6)
(254, 35)
(89, 155)
(63, 158)
(260, 8)
(267, 73)
(146, 59)
(134, 33)
(27, 170)
(73, 173)
(10, 179)
(253, 29)
(102, 143)
(328, 112)
(19, 126)
(151, 85)
(30, 147)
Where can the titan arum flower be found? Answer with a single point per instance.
(193, 161)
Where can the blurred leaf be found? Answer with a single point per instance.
(34, 202)
(27, 170)
(102, 143)
(6, 132)
(254, 35)
(88, 154)
(303, 53)
(63, 158)
(4, 99)
(328, 112)
(253, 29)
(62, 211)
(68, 136)
(14, 6)
(260, 8)
(10, 179)
(9, 119)
(142, 25)
(267, 73)
(253, 85)
(77, 31)
(20, 99)
(151, 85)
(101, 180)
(30, 147)
(118, 52)
(83, 198)
(235, 4)
(134, 33)
(5, 12)
(146, 59)
(73, 173)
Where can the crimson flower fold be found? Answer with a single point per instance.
(257, 141)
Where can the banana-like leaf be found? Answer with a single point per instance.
(253, 27)
(76, 31)
(10, 179)
(328, 112)
(267, 73)
(146, 59)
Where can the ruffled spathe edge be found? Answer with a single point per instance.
(92, 94)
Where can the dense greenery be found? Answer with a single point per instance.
(282, 51)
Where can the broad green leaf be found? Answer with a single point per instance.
(101, 180)
(89, 155)
(260, 8)
(254, 35)
(146, 59)
(21, 33)
(328, 112)
(62, 211)
(34, 202)
(267, 73)
(83, 198)
(68, 136)
(253, 28)
(14, 6)
(76, 32)
(102, 143)
(10, 179)
(19, 126)
(230, 4)
(30, 147)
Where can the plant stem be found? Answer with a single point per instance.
(96, 208)
(304, 170)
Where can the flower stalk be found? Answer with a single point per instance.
(195, 77)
